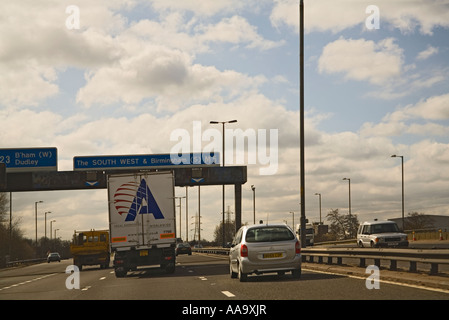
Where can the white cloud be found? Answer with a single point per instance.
(199, 7)
(236, 30)
(425, 54)
(169, 76)
(377, 63)
(407, 119)
(325, 15)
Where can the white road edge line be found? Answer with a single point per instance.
(383, 281)
(228, 294)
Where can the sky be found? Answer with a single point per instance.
(125, 77)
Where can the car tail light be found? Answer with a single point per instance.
(243, 251)
(297, 247)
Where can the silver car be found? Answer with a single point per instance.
(264, 248)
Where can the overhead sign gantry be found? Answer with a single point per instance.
(198, 170)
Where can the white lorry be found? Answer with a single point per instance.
(310, 233)
(142, 220)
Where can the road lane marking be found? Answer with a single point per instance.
(382, 281)
(102, 278)
(28, 281)
(203, 278)
(228, 294)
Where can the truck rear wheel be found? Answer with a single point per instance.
(120, 272)
(169, 268)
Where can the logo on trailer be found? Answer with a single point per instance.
(133, 198)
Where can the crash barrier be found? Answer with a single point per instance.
(434, 257)
(24, 262)
(413, 257)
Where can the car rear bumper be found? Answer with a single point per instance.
(249, 267)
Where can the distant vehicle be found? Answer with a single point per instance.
(380, 234)
(310, 233)
(183, 248)
(90, 248)
(54, 256)
(142, 220)
(264, 248)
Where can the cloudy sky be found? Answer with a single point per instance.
(128, 74)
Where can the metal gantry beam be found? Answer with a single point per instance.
(91, 180)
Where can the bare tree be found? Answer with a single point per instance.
(416, 221)
(342, 226)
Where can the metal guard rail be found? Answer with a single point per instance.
(434, 257)
(28, 261)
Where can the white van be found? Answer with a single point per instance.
(310, 233)
(380, 234)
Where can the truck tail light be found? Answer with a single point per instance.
(297, 247)
(243, 251)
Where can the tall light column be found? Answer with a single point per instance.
(35, 215)
(223, 148)
(254, 203)
(301, 125)
(402, 165)
(319, 194)
(349, 180)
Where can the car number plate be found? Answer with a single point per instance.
(143, 253)
(272, 255)
(393, 243)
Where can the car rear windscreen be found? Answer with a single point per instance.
(269, 234)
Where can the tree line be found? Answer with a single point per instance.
(15, 246)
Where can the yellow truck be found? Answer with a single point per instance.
(90, 248)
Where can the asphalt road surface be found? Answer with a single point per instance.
(197, 277)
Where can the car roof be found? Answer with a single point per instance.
(283, 225)
(378, 222)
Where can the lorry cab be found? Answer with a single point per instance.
(90, 248)
(310, 233)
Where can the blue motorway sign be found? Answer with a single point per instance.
(145, 161)
(29, 159)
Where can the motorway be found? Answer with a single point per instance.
(197, 277)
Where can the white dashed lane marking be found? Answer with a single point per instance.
(25, 282)
(228, 294)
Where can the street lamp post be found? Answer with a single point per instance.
(349, 180)
(254, 203)
(180, 215)
(319, 194)
(51, 227)
(301, 126)
(35, 215)
(46, 223)
(293, 215)
(402, 165)
(223, 148)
